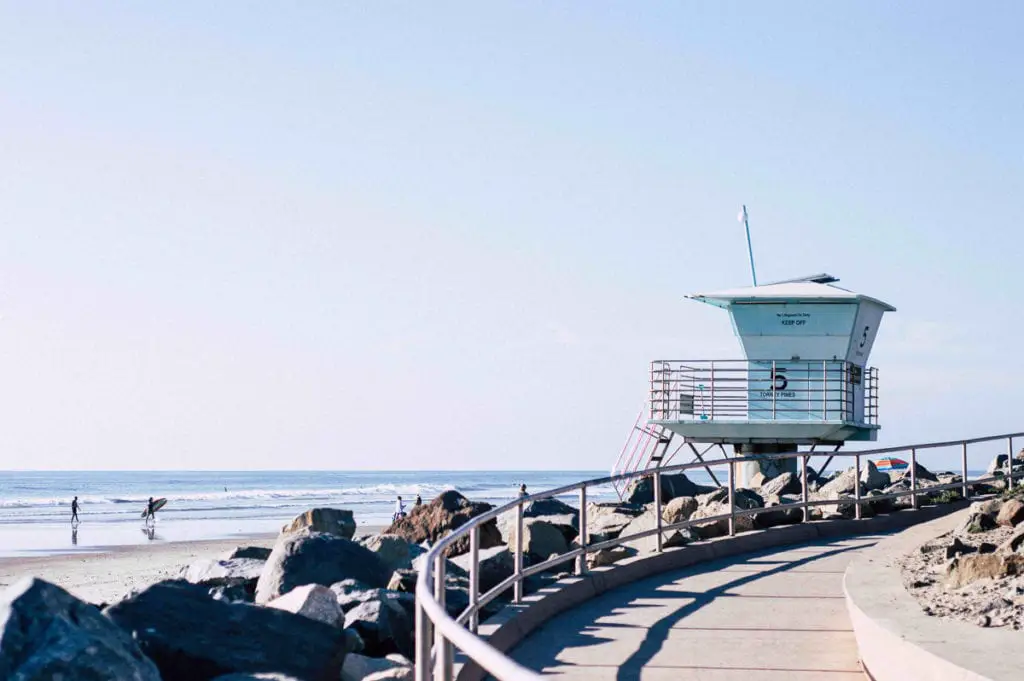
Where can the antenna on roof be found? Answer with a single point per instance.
(742, 217)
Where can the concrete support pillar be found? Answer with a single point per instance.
(767, 464)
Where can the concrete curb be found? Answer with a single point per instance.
(898, 642)
(515, 622)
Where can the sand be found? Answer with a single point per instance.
(108, 576)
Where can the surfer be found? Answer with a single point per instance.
(419, 501)
(74, 510)
(399, 510)
(522, 491)
(150, 511)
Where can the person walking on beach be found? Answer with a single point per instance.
(150, 512)
(399, 510)
(419, 502)
(74, 510)
(522, 491)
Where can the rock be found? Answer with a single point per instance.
(1014, 542)
(610, 556)
(336, 521)
(270, 676)
(648, 521)
(966, 569)
(496, 565)
(449, 511)
(349, 594)
(921, 473)
(772, 517)
(450, 566)
(235, 572)
(758, 479)
(718, 528)
(1011, 514)
(787, 483)
(842, 483)
(395, 552)
(403, 580)
(192, 637)
(256, 677)
(46, 633)
(678, 510)
(316, 558)
(978, 522)
(678, 485)
(310, 600)
(540, 539)
(997, 464)
(254, 552)
(360, 667)
(743, 498)
(871, 478)
(456, 588)
(607, 520)
(384, 627)
(235, 593)
(986, 547)
(958, 548)
(353, 641)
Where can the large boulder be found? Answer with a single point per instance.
(843, 482)
(540, 539)
(872, 478)
(786, 483)
(772, 516)
(257, 552)
(449, 511)
(963, 570)
(717, 503)
(349, 594)
(239, 573)
(311, 600)
(607, 520)
(496, 565)
(648, 521)
(361, 668)
(678, 510)
(609, 556)
(316, 558)
(672, 485)
(1011, 514)
(921, 473)
(552, 511)
(384, 626)
(396, 552)
(997, 465)
(192, 637)
(334, 521)
(46, 633)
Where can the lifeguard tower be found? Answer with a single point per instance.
(804, 380)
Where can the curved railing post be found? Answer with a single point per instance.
(584, 536)
(963, 469)
(474, 576)
(657, 508)
(1009, 463)
(856, 488)
(913, 478)
(423, 636)
(517, 590)
(804, 485)
(732, 498)
(442, 648)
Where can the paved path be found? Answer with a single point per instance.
(776, 615)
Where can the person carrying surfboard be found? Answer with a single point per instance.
(74, 510)
(150, 511)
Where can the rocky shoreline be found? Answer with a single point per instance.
(323, 603)
(975, 572)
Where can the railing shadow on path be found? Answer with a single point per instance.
(653, 588)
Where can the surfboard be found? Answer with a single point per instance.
(157, 505)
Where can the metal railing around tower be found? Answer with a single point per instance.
(763, 390)
(438, 633)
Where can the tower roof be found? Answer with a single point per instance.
(806, 290)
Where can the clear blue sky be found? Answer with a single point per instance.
(450, 235)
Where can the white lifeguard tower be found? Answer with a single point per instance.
(804, 379)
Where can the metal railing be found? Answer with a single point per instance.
(763, 390)
(437, 632)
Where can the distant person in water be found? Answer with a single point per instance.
(74, 510)
(419, 502)
(399, 510)
(150, 511)
(522, 490)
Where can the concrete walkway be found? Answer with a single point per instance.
(776, 615)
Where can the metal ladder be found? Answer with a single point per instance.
(647, 446)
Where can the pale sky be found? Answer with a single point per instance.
(453, 235)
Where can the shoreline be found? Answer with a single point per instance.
(106, 574)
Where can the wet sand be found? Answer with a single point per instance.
(107, 576)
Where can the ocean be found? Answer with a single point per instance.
(35, 506)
